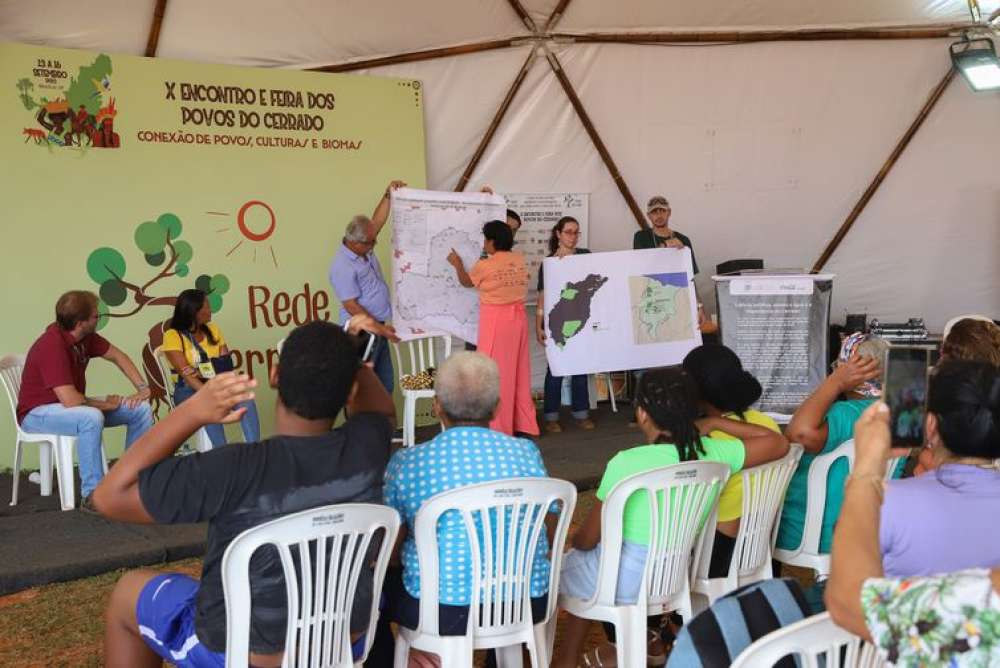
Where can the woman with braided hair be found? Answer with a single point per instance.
(666, 412)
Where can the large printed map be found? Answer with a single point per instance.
(427, 225)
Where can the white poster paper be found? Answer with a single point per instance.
(622, 310)
(539, 213)
(427, 225)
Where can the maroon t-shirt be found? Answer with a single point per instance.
(55, 360)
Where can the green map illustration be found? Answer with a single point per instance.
(572, 311)
(661, 307)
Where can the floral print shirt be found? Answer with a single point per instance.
(924, 622)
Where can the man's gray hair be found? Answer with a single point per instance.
(468, 387)
(357, 230)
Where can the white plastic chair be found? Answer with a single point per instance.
(510, 514)
(816, 642)
(420, 355)
(683, 503)
(11, 368)
(332, 545)
(807, 554)
(201, 440)
(763, 493)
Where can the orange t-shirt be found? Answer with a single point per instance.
(501, 278)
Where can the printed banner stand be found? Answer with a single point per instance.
(778, 325)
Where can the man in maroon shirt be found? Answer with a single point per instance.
(53, 397)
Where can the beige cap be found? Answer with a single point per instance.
(657, 202)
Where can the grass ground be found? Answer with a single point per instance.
(62, 625)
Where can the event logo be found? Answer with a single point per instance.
(161, 246)
(79, 114)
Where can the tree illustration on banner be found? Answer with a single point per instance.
(121, 297)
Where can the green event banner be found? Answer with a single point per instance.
(137, 178)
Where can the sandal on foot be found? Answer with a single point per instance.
(592, 659)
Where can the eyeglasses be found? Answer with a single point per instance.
(571, 233)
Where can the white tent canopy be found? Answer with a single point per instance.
(763, 148)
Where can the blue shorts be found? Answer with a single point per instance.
(165, 614)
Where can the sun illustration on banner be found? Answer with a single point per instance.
(256, 222)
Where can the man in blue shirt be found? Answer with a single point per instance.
(467, 452)
(356, 277)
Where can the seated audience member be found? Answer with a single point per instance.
(726, 390)
(666, 413)
(946, 506)
(718, 634)
(53, 396)
(975, 338)
(467, 452)
(305, 464)
(192, 345)
(821, 424)
(943, 620)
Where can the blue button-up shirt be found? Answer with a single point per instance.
(359, 277)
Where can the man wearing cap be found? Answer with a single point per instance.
(660, 235)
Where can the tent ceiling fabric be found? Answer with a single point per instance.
(311, 33)
(763, 149)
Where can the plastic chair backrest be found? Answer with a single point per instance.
(683, 502)
(166, 372)
(819, 469)
(504, 520)
(332, 545)
(420, 354)
(763, 494)
(11, 368)
(816, 642)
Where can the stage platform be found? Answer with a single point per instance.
(40, 544)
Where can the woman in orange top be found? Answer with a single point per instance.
(502, 280)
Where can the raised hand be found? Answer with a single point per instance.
(872, 440)
(855, 371)
(217, 400)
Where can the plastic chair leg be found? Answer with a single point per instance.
(16, 482)
(45, 463)
(409, 418)
(510, 656)
(611, 393)
(402, 652)
(64, 472)
(538, 650)
(630, 644)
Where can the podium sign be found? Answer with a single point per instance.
(778, 325)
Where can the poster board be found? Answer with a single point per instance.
(622, 310)
(170, 175)
(539, 213)
(778, 326)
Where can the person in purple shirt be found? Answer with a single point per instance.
(356, 277)
(939, 521)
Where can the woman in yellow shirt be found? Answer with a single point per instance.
(726, 390)
(190, 345)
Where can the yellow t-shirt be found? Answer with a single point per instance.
(731, 502)
(175, 341)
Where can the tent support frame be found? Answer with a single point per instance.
(153, 40)
(890, 162)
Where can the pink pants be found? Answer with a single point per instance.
(503, 336)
